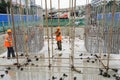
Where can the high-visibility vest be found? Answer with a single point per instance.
(8, 41)
(58, 38)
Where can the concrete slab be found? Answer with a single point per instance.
(39, 70)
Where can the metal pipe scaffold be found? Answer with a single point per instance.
(51, 27)
(14, 32)
(47, 33)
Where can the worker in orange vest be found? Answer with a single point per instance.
(59, 38)
(8, 43)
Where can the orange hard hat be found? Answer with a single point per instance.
(9, 30)
(58, 28)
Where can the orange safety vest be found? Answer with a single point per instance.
(58, 38)
(8, 41)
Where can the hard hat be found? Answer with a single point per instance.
(9, 30)
(58, 27)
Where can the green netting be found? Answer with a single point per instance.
(65, 22)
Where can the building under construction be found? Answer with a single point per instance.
(89, 52)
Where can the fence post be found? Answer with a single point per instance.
(3, 26)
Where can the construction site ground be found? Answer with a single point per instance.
(86, 64)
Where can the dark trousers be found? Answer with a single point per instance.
(10, 51)
(59, 44)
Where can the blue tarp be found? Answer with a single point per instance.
(108, 16)
(5, 18)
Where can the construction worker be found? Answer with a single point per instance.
(8, 43)
(59, 38)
